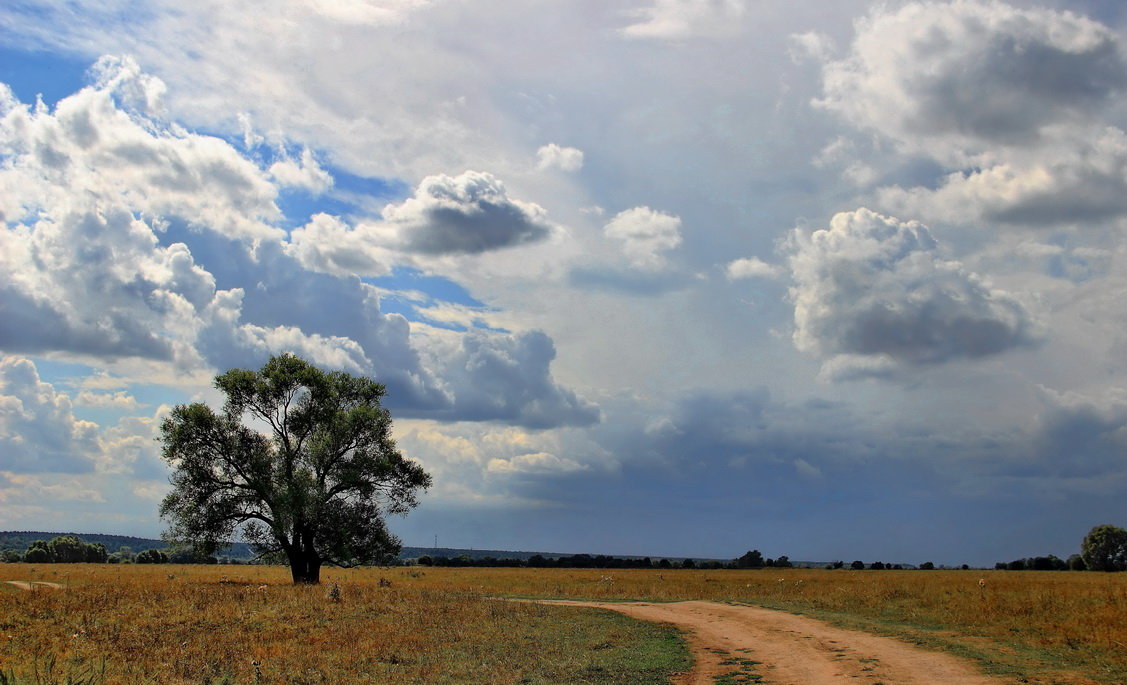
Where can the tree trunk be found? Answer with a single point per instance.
(305, 568)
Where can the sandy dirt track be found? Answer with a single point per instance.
(24, 585)
(793, 650)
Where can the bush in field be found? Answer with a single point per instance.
(10, 556)
(151, 556)
(857, 565)
(1105, 549)
(1076, 563)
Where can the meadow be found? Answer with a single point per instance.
(247, 624)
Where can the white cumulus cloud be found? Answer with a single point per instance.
(873, 294)
(552, 156)
(645, 234)
(969, 73)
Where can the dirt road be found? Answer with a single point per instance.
(24, 585)
(785, 649)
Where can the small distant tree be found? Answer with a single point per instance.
(927, 566)
(688, 563)
(10, 556)
(313, 491)
(783, 562)
(1105, 549)
(1076, 563)
(857, 565)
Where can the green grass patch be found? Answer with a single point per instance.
(583, 645)
(1010, 659)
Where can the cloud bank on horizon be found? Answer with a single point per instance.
(651, 276)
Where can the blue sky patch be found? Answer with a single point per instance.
(36, 73)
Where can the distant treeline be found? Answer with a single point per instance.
(752, 559)
(123, 546)
(1049, 563)
(71, 549)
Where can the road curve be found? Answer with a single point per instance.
(785, 649)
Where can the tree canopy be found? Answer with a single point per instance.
(1105, 549)
(313, 487)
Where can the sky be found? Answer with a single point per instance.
(834, 279)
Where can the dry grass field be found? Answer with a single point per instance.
(1046, 627)
(197, 624)
(211, 624)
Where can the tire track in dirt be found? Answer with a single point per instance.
(785, 649)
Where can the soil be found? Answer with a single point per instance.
(751, 644)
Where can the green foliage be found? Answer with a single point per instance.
(37, 555)
(1105, 549)
(927, 566)
(65, 549)
(315, 490)
(151, 556)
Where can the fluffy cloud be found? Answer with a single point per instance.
(95, 144)
(466, 214)
(751, 267)
(329, 245)
(645, 234)
(114, 400)
(679, 19)
(128, 237)
(304, 172)
(552, 156)
(1079, 182)
(968, 72)
(872, 294)
(38, 429)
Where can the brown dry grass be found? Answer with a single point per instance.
(440, 625)
(1042, 626)
(198, 624)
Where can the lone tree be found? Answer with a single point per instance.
(1105, 549)
(315, 489)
